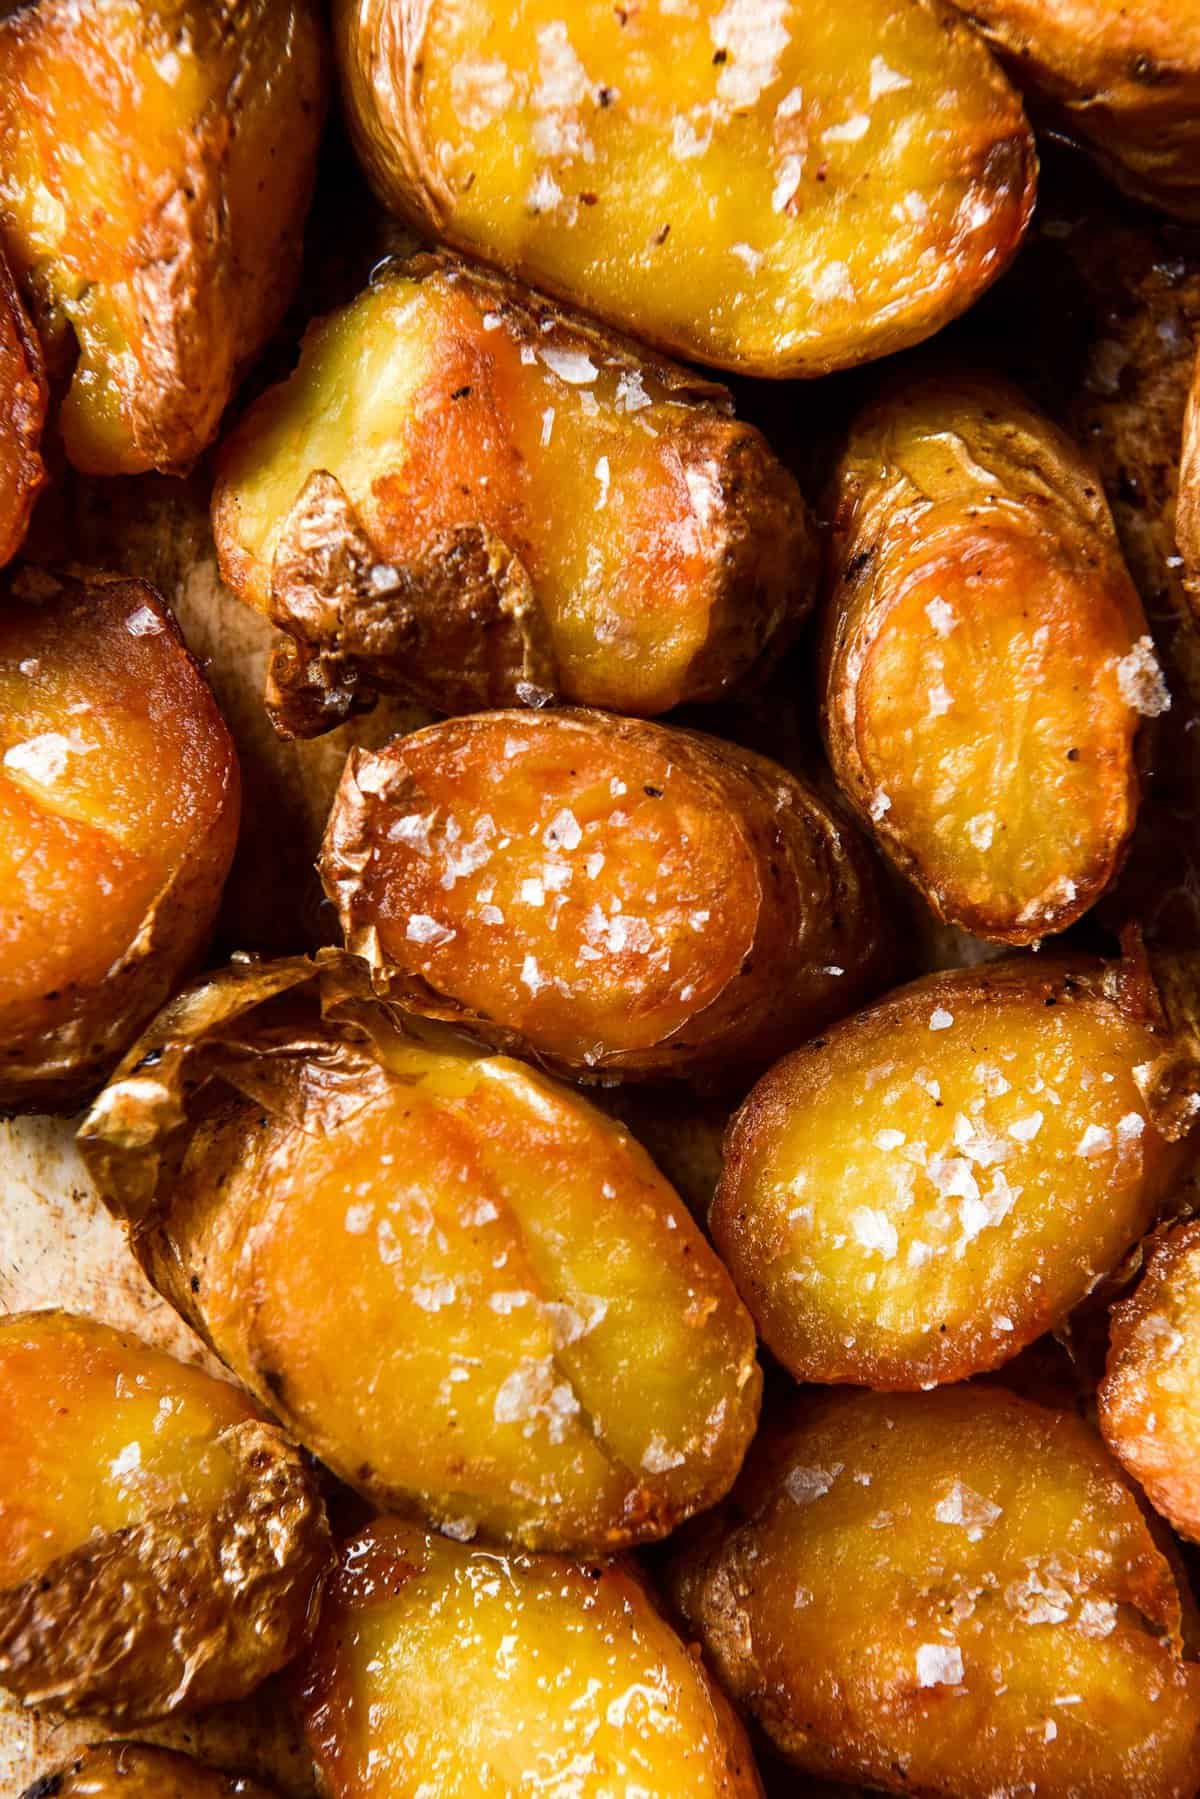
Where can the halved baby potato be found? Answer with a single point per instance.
(139, 1771)
(23, 397)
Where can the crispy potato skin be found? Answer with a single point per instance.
(781, 192)
(511, 503)
(940, 1179)
(1150, 1397)
(986, 659)
(177, 1573)
(119, 799)
(137, 1771)
(1124, 79)
(23, 399)
(910, 1590)
(631, 899)
(156, 163)
(509, 1262)
(1187, 516)
(457, 1675)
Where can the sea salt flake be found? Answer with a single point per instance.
(939, 1665)
(849, 132)
(787, 181)
(532, 976)
(940, 615)
(806, 1485)
(563, 832)
(940, 1019)
(963, 1506)
(1140, 680)
(888, 1139)
(572, 366)
(659, 1457)
(1094, 1142)
(422, 928)
(885, 80)
(875, 1231)
(1026, 1129)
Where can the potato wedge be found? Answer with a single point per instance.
(161, 1543)
(118, 818)
(304, 1167)
(782, 189)
(1124, 79)
(938, 1180)
(987, 662)
(1150, 1396)
(950, 1594)
(136, 1771)
(23, 398)
(471, 498)
(452, 1674)
(612, 896)
(155, 169)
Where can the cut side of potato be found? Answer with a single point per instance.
(23, 399)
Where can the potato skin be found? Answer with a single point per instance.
(504, 1291)
(947, 1595)
(520, 576)
(157, 165)
(763, 901)
(23, 399)
(955, 503)
(1187, 514)
(1147, 1400)
(112, 878)
(730, 184)
(196, 1603)
(137, 1771)
(1123, 79)
(939, 1180)
(473, 1639)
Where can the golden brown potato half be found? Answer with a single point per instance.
(609, 895)
(781, 188)
(1124, 78)
(161, 1543)
(953, 1595)
(929, 1187)
(449, 1674)
(987, 662)
(23, 397)
(1150, 1397)
(1187, 514)
(118, 818)
(136, 1771)
(155, 169)
(471, 498)
(466, 1290)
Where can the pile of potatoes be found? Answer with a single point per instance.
(622, 946)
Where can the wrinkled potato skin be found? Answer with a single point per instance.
(136, 1771)
(101, 915)
(785, 924)
(438, 540)
(194, 1604)
(23, 398)
(863, 1283)
(954, 494)
(503, 1669)
(814, 1592)
(641, 165)
(156, 163)
(1149, 1410)
(506, 1294)
(1125, 79)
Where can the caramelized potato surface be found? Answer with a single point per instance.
(1150, 1398)
(155, 169)
(466, 496)
(950, 1594)
(446, 1673)
(940, 1179)
(118, 818)
(1187, 517)
(159, 1540)
(137, 1771)
(22, 415)
(1124, 78)
(987, 662)
(783, 189)
(610, 895)
(545, 1350)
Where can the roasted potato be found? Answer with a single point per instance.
(444, 1672)
(23, 398)
(303, 1168)
(471, 498)
(987, 662)
(781, 189)
(1125, 79)
(612, 896)
(161, 1543)
(1150, 1397)
(1187, 515)
(118, 818)
(938, 1180)
(948, 1594)
(156, 162)
(135, 1771)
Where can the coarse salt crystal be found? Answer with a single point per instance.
(939, 1665)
